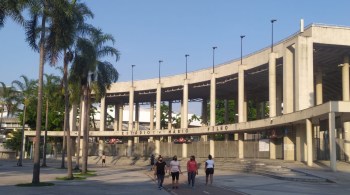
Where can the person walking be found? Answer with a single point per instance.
(209, 170)
(192, 170)
(103, 157)
(175, 171)
(152, 161)
(160, 170)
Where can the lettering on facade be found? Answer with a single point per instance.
(175, 131)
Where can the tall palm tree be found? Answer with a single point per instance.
(63, 33)
(26, 89)
(46, 11)
(51, 90)
(9, 98)
(93, 74)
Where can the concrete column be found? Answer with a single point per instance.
(100, 147)
(157, 146)
(131, 109)
(158, 106)
(346, 97)
(184, 150)
(332, 144)
(103, 113)
(212, 112)
(170, 139)
(236, 111)
(151, 117)
(300, 143)
(137, 116)
(184, 120)
(170, 119)
(272, 84)
(241, 94)
(240, 145)
(288, 80)
(120, 124)
(212, 146)
(288, 145)
(304, 73)
(185, 105)
(129, 150)
(73, 118)
(309, 142)
(319, 88)
(272, 149)
(212, 99)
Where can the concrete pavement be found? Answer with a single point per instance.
(131, 179)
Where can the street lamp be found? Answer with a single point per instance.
(242, 36)
(186, 63)
(214, 57)
(160, 61)
(272, 21)
(132, 75)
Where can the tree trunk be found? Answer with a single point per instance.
(22, 138)
(36, 168)
(79, 135)
(85, 129)
(66, 118)
(45, 137)
(63, 149)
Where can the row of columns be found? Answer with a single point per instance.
(298, 84)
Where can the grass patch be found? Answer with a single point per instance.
(69, 179)
(88, 174)
(41, 184)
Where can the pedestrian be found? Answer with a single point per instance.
(160, 170)
(192, 170)
(103, 157)
(209, 170)
(175, 171)
(152, 161)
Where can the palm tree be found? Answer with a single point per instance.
(93, 74)
(9, 98)
(47, 11)
(12, 9)
(63, 34)
(50, 91)
(26, 89)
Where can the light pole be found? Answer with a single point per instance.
(160, 61)
(272, 21)
(214, 57)
(186, 63)
(132, 75)
(242, 36)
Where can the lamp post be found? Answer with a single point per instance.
(160, 61)
(214, 57)
(132, 75)
(272, 21)
(242, 36)
(186, 63)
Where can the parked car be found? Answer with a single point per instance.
(114, 141)
(182, 140)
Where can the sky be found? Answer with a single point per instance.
(153, 30)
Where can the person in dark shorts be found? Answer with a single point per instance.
(160, 170)
(209, 170)
(103, 157)
(175, 171)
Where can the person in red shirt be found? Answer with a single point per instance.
(192, 170)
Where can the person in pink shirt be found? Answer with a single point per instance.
(192, 170)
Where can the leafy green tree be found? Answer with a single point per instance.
(12, 9)
(26, 89)
(14, 140)
(93, 74)
(9, 99)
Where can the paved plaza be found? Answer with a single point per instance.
(131, 179)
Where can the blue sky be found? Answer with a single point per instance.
(152, 30)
